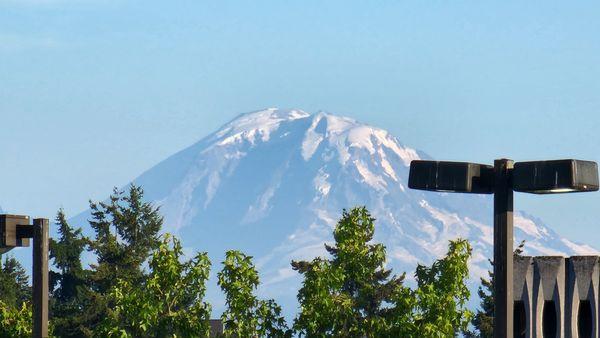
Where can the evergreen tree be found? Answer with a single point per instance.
(69, 285)
(15, 299)
(14, 283)
(345, 296)
(353, 295)
(246, 315)
(127, 230)
(483, 321)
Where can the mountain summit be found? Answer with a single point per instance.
(273, 183)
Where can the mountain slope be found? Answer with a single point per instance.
(273, 183)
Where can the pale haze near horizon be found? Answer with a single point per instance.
(93, 93)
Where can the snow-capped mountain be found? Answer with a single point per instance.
(273, 183)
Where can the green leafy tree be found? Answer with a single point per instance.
(353, 295)
(400, 315)
(15, 322)
(442, 293)
(126, 230)
(246, 315)
(169, 303)
(436, 308)
(483, 321)
(325, 309)
(345, 296)
(69, 285)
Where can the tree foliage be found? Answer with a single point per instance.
(442, 293)
(15, 294)
(126, 230)
(169, 303)
(353, 295)
(345, 295)
(15, 322)
(15, 301)
(69, 282)
(14, 283)
(141, 285)
(246, 315)
(15, 297)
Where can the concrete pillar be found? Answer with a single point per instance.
(523, 292)
(582, 289)
(548, 287)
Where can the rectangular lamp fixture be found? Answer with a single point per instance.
(10, 227)
(557, 176)
(451, 176)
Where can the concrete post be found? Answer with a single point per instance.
(523, 292)
(582, 291)
(548, 287)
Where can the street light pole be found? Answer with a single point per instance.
(536, 177)
(40, 278)
(503, 249)
(15, 231)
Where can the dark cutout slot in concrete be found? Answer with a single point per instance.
(549, 319)
(584, 319)
(519, 320)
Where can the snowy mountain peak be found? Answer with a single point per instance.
(257, 124)
(347, 134)
(273, 183)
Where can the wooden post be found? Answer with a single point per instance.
(503, 249)
(40, 278)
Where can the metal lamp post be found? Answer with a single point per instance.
(15, 231)
(538, 177)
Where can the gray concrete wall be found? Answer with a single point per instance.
(572, 285)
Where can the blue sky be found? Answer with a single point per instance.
(94, 92)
